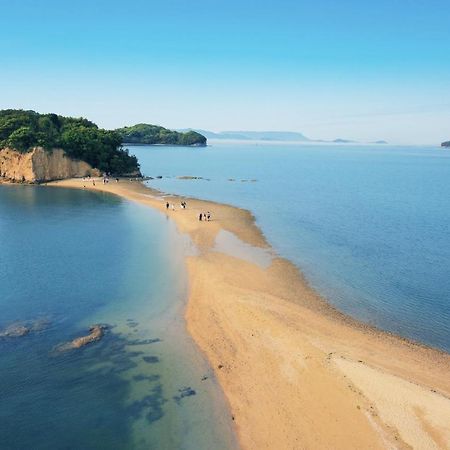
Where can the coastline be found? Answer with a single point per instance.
(296, 372)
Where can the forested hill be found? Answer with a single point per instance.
(446, 144)
(80, 138)
(143, 133)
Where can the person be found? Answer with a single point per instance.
(208, 216)
(200, 217)
(93, 182)
(167, 205)
(173, 207)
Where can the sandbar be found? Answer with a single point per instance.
(297, 373)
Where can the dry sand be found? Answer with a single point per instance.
(297, 373)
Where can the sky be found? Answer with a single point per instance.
(352, 69)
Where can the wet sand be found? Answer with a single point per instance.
(297, 373)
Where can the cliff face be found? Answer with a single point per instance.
(39, 165)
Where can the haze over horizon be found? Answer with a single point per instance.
(353, 70)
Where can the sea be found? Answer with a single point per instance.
(70, 259)
(367, 225)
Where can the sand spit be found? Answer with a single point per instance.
(297, 373)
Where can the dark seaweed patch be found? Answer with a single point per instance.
(150, 406)
(150, 359)
(143, 341)
(186, 391)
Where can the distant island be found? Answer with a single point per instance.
(445, 144)
(40, 147)
(343, 141)
(276, 136)
(251, 135)
(144, 133)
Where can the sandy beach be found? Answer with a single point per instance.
(297, 373)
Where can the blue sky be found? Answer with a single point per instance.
(352, 69)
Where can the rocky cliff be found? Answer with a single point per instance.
(40, 165)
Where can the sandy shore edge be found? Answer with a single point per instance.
(297, 373)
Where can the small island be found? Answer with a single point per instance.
(445, 144)
(146, 134)
(42, 147)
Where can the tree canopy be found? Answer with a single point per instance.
(80, 138)
(143, 133)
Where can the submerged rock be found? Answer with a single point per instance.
(15, 330)
(19, 329)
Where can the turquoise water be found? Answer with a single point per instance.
(69, 259)
(368, 226)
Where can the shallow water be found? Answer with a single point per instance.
(367, 225)
(69, 259)
(230, 244)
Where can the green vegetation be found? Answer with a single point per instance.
(79, 138)
(152, 134)
(446, 144)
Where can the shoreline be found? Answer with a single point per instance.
(297, 373)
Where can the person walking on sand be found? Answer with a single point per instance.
(167, 205)
(200, 217)
(93, 182)
(208, 216)
(173, 207)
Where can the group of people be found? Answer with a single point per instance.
(183, 205)
(203, 216)
(105, 180)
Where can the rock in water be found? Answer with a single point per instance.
(96, 332)
(15, 330)
(19, 329)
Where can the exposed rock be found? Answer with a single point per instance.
(40, 165)
(96, 332)
(445, 144)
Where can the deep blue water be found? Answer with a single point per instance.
(69, 259)
(369, 226)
